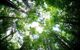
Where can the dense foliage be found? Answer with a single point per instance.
(39, 25)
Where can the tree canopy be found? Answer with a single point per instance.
(39, 25)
